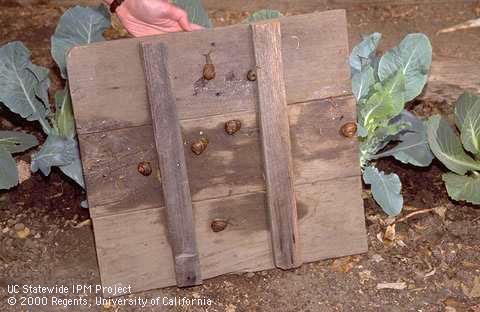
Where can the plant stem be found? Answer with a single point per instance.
(421, 211)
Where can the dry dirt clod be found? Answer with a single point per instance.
(19, 227)
(24, 233)
(390, 233)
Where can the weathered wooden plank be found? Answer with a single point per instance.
(98, 76)
(231, 165)
(276, 149)
(445, 82)
(141, 256)
(176, 190)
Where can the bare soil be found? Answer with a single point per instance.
(434, 257)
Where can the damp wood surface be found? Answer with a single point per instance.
(172, 164)
(227, 181)
(141, 256)
(231, 165)
(276, 144)
(310, 42)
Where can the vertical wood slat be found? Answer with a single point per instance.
(275, 136)
(171, 155)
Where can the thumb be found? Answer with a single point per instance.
(181, 17)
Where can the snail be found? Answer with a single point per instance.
(219, 225)
(233, 126)
(252, 75)
(199, 146)
(349, 129)
(144, 168)
(208, 68)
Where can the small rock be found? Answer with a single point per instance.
(377, 258)
(19, 227)
(196, 295)
(24, 171)
(22, 234)
(390, 233)
(37, 236)
(250, 275)
(6, 230)
(11, 222)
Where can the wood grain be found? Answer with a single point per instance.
(141, 256)
(276, 149)
(114, 123)
(173, 168)
(98, 76)
(231, 165)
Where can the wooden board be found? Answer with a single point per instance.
(230, 165)
(173, 167)
(108, 84)
(276, 150)
(141, 256)
(227, 181)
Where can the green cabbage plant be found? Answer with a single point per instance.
(382, 86)
(461, 155)
(24, 90)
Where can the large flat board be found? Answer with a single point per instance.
(141, 257)
(227, 181)
(231, 165)
(107, 82)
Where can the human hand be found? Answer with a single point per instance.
(152, 17)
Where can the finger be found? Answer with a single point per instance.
(181, 17)
(196, 27)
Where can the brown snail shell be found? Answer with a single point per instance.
(233, 126)
(144, 168)
(349, 130)
(252, 75)
(199, 146)
(209, 68)
(219, 225)
(209, 72)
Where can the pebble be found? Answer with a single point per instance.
(5, 230)
(37, 236)
(377, 258)
(11, 222)
(19, 227)
(250, 275)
